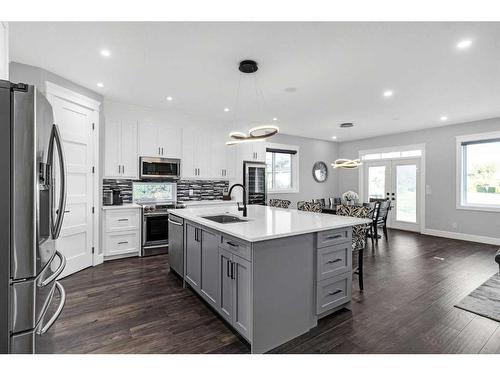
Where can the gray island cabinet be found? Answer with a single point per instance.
(271, 277)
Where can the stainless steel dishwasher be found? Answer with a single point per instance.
(176, 244)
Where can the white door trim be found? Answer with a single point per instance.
(51, 89)
(420, 146)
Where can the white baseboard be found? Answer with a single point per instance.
(462, 236)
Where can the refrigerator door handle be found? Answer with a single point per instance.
(54, 276)
(54, 317)
(56, 137)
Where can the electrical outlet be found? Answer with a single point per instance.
(191, 193)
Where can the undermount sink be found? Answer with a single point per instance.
(224, 219)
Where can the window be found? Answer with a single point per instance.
(392, 155)
(478, 172)
(282, 169)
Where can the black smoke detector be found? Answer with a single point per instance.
(248, 66)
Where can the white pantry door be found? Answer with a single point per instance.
(76, 239)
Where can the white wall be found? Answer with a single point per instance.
(4, 51)
(311, 151)
(440, 205)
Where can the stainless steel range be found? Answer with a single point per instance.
(155, 228)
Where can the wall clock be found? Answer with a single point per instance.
(320, 171)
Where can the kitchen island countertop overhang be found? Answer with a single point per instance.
(266, 223)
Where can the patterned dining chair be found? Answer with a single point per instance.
(308, 206)
(321, 201)
(334, 201)
(280, 203)
(359, 234)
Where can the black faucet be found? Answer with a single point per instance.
(244, 208)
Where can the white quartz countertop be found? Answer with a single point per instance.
(122, 206)
(214, 202)
(265, 223)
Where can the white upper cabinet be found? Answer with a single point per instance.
(120, 149)
(160, 141)
(253, 151)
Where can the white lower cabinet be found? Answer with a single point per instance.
(220, 276)
(121, 235)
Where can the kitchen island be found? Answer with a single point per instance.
(270, 275)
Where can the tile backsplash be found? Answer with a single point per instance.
(202, 189)
(124, 185)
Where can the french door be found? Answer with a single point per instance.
(398, 181)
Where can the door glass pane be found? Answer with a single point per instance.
(376, 182)
(406, 193)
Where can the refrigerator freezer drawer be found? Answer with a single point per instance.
(31, 298)
(27, 342)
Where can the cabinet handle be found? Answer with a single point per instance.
(232, 271)
(227, 268)
(334, 237)
(336, 292)
(122, 242)
(334, 260)
(232, 244)
(162, 150)
(123, 169)
(122, 219)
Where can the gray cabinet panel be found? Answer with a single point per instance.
(333, 292)
(333, 237)
(193, 255)
(209, 266)
(334, 260)
(225, 305)
(242, 289)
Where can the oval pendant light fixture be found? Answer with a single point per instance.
(257, 133)
(347, 163)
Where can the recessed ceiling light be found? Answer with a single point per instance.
(290, 89)
(100, 84)
(275, 119)
(334, 137)
(388, 93)
(464, 44)
(443, 118)
(226, 109)
(105, 52)
(169, 98)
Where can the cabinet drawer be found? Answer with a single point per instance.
(334, 260)
(333, 292)
(236, 247)
(122, 219)
(333, 237)
(121, 243)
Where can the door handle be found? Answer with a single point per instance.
(62, 294)
(59, 270)
(56, 137)
(174, 222)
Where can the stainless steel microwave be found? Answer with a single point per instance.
(159, 168)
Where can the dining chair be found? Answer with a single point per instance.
(308, 206)
(334, 201)
(380, 220)
(359, 234)
(280, 203)
(321, 201)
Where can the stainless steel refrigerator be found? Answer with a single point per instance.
(32, 203)
(254, 180)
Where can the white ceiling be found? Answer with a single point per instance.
(340, 70)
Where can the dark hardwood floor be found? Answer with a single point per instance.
(135, 305)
